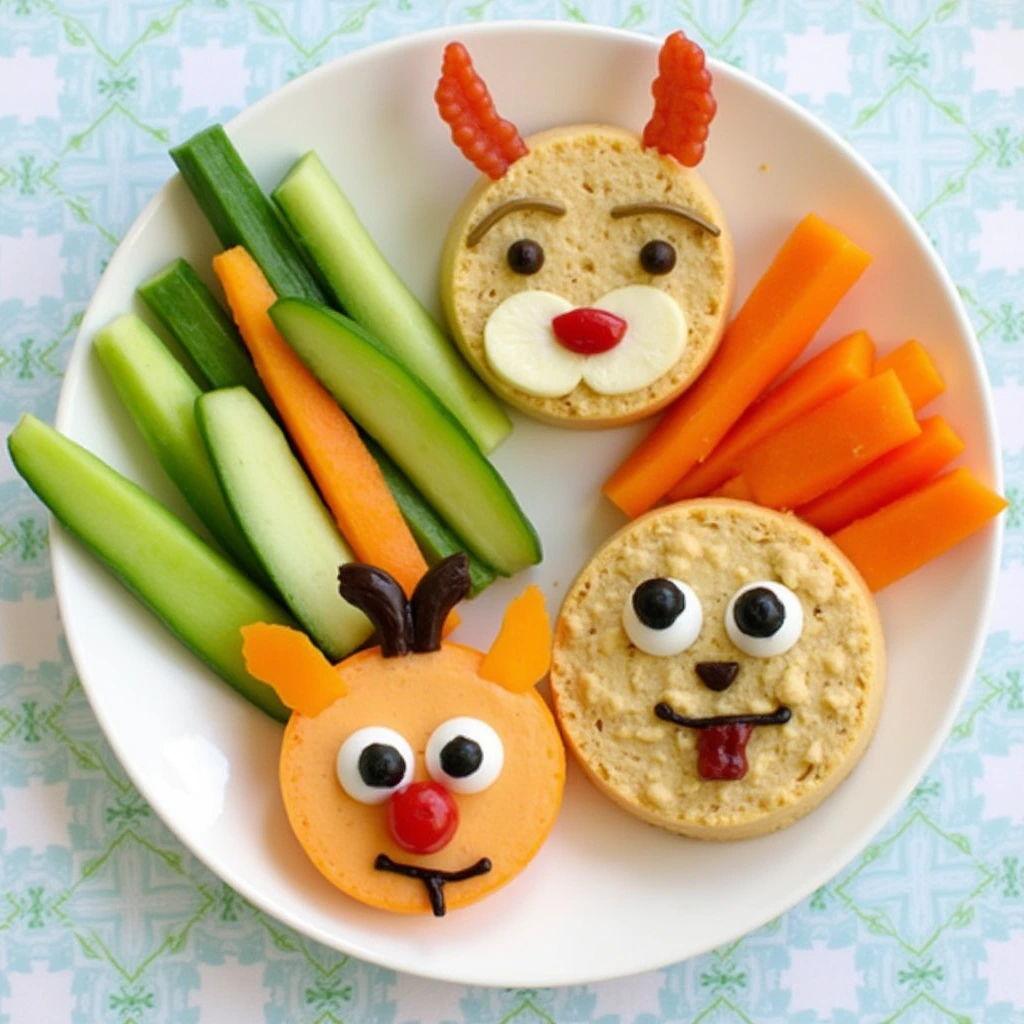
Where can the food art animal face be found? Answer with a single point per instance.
(413, 781)
(588, 275)
(718, 668)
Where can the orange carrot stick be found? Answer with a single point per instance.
(735, 487)
(917, 373)
(920, 526)
(813, 270)
(829, 444)
(843, 364)
(886, 479)
(345, 472)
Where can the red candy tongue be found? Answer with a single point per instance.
(589, 331)
(722, 751)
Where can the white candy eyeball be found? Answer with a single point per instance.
(764, 619)
(663, 616)
(373, 763)
(465, 755)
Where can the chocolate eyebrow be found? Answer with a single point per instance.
(633, 209)
(504, 209)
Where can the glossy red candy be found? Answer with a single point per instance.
(423, 817)
(589, 331)
(722, 751)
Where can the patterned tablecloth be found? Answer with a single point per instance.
(103, 915)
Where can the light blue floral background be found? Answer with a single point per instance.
(103, 915)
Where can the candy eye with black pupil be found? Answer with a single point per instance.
(662, 616)
(764, 619)
(373, 763)
(658, 257)
(465, 755)
(525, 256)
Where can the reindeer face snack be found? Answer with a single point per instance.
(587, 277)
(718, 668)
(418, 776)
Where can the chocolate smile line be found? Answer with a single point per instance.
(432, 878)
(667, 714)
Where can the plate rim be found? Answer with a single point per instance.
(62, 542)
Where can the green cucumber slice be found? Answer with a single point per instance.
(160, 397)
(432, 534)
(366, 286)
(180, 300)
(240, 213)
(412, 426)
(196, 592)
(287, 524)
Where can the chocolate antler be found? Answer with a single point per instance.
(441, 588)
(380, 597)
(464, 102)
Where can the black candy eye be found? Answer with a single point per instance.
(658, 603)
(764, 619)
(662, 617)
(381, 765)
(465, 755)
(759, 613)
(461, 757)
(658, 257)
(525, 256)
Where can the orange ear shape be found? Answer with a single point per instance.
(520, 656)
(286, 659)
(487, 141)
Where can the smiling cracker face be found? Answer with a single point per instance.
(591, 258)
(830, 680)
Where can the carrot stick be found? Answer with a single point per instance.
(345, 472)
(843, 364)
(917, 373)
(886, 479)
(813, 270)
(735, 487)
(902, 536)
(829, 444)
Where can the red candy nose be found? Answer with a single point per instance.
(423, 817)
(589, 331)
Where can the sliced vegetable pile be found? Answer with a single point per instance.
(838, 442)
(301, 438)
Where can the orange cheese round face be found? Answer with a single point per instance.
(499, 827)
(590, 284)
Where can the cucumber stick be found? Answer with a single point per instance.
(370, 291)
(180, 300)
(287, 524)
(412, 426)
(433, 536)
(239, 212)
(196, 592)
(160, 396)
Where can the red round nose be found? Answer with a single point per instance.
(589, 331)
(423, 817)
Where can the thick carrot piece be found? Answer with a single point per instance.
(345, 472)
(829, 444)
(844, 363)
(917, 373)
(904, 535)
(816, 266)
(887, 478)
(735, 487)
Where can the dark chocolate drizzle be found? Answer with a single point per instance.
(380, 597)
(666, 713)
(433, 879)
(441, 588)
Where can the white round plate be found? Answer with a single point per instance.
(607, 895)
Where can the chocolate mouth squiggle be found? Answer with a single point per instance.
(433, 879)
(667, 714)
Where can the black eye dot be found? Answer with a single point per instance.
(658, 603)
(759, 613)
(461, 757)
(381, 766)
(658, 257)
(525, 256)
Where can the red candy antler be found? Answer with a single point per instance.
(683, 104)
(486, 140)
